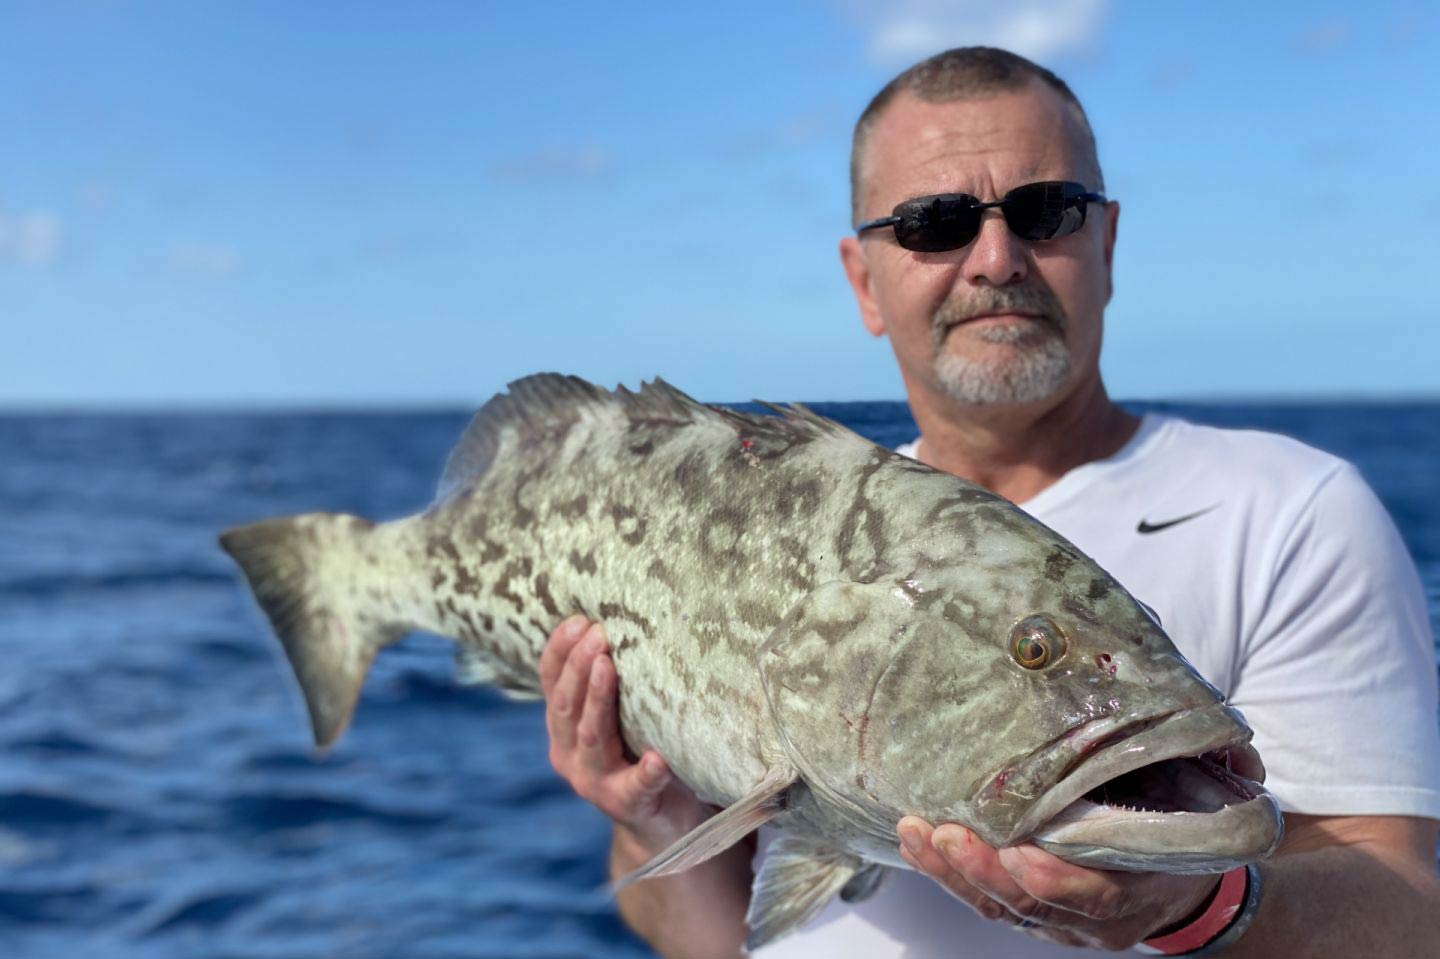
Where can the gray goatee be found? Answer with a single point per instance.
(1035, 366)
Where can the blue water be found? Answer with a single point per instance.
(158, 793)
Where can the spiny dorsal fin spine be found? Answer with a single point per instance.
(546, 402)
(529, 402)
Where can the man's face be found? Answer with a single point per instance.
(1001, 320)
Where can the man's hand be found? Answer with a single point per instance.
(700, 912)
(580, 688)
(1046, 896)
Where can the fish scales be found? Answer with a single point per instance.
(690, 539)
(814, 631)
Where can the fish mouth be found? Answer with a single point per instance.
(1178, 792)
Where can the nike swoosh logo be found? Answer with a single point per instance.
(1145, 527)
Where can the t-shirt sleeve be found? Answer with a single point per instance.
(1338, 678)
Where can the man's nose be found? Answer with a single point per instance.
(996, 257)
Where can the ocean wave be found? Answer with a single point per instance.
(437, 689)
(26, 807)
(34, 585)
(55, 741)
(46, 904)
(198, 909)
(291, 760)
(267, 811)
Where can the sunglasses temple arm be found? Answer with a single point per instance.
(876, 224)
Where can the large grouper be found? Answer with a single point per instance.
(814, 631)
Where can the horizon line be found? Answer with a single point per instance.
(324, 407)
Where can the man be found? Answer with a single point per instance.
(1273, 567)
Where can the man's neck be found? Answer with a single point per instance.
(1017, 451)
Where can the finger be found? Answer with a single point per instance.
(562, 640)
(915, 838)
(637, 786)
(918, 849)
(955, 884)
(1095, 893)
(980, 865)
(598, 733)
(567, 702)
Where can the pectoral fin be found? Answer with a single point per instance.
(722, 830)
(864, 883)
(798, 877)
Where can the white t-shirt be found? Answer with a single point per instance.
(1279, 575)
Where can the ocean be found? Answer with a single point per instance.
(159, 796)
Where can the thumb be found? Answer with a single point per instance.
(643, 782)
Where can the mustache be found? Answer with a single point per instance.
(1035, 300)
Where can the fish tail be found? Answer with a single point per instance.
(304, 572)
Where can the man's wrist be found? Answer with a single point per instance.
(636, 846)
(1190, 915)
(630, 851)
(1223, 920)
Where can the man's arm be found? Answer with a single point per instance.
(1349, 886)
(1338, 886)
(700, 912)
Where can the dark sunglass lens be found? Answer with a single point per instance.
(937, 224)
(1044, 211)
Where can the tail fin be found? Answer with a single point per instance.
(302, 571)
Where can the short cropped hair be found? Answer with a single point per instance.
(959, 74)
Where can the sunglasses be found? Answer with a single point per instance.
(948, 221)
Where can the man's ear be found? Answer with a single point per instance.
(1112, 223)
(857, 271)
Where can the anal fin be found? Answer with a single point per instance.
(474, 667)
(797, 878)
(722, 830)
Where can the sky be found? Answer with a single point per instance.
(323, 204)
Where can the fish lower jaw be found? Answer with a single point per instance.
(1141, 760)
(1137, 840)
(1180, 815)
(1173, 793)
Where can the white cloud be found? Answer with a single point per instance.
(30, 239)
(903, 31)
(578, 163)
(204, 259)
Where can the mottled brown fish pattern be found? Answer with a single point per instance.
(810, 628)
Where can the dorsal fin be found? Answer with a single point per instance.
(543, 406)
(533, 404)
(661, 402)
(800, 417)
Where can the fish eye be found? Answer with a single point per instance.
(1036, 642)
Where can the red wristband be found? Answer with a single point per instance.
(1209, 924)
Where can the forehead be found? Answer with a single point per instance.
(979, 145)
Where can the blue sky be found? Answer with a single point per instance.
(321, 203)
